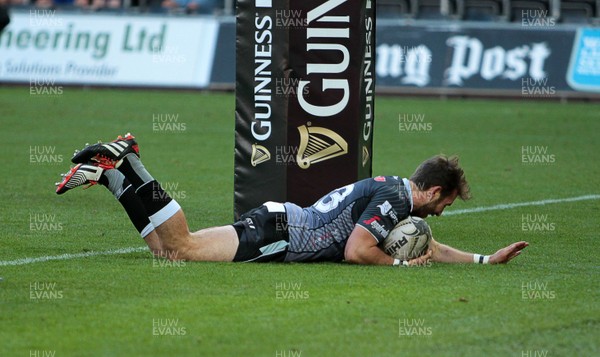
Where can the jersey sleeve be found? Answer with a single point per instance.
(384, 211)
(377, 224)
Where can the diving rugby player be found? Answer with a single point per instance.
(348, 224)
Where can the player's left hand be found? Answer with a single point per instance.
(504, 255)
(422, 260)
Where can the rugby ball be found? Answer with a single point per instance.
(408, 240)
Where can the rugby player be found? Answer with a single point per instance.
(348, 224)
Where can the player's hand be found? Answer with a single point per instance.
(422, 260)
(504, 255)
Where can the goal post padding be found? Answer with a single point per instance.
(305, 81)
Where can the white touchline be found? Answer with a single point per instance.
(47, 258)
(521, 204)
(24, 261)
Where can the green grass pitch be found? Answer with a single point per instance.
(545, 303)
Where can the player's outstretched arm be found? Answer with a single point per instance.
(446, 254)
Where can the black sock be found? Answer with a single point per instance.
(134, 171)
(157, 202)
(124, 192)
(153, 197)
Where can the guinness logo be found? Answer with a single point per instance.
(318, 144)
(260, 154)
(365, 155)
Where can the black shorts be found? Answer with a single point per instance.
(263, 234)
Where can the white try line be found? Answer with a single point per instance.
(24, 261)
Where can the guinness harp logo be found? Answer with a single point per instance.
(318, 144)
(365, 155)
(260, 154)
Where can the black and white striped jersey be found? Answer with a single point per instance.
(320, 232)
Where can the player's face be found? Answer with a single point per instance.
(441, 203)
(436, 206)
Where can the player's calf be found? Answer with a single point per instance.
(175, 236)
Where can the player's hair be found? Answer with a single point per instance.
(443, 171)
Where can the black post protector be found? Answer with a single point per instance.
(305, 80)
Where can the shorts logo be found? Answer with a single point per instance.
(260, 154)
(250, 223)
(319, 144)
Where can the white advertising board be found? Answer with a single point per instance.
(43, 46)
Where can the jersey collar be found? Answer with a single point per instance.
(409, 190)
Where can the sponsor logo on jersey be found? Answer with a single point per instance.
(385, 207)
(260, 154)
(371, 220)
(380, 229)
(387, 210)
(319, 144)
(379, 178)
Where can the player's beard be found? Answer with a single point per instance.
(427, 209)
